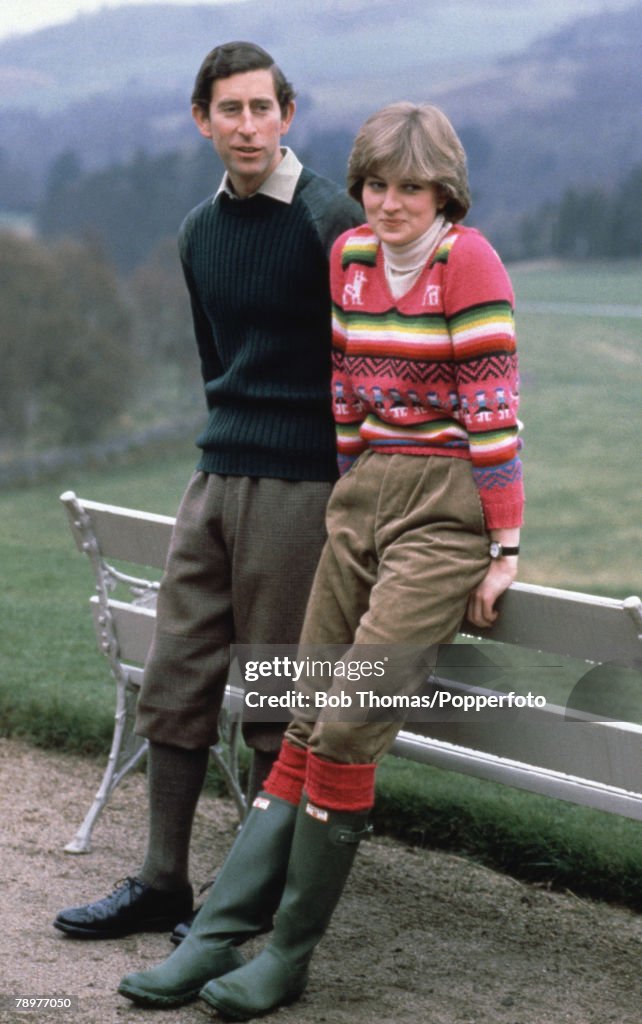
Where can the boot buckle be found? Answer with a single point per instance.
(348, 836)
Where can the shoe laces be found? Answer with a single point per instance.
(128, 882)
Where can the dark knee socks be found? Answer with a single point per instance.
(175, 779)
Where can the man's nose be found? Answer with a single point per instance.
(247, 125)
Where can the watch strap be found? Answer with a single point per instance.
(503, 549)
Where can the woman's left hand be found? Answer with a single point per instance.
(481, 603)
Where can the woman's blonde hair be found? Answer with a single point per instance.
(415, 142)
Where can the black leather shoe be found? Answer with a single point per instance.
(132, 907)
(181, 931)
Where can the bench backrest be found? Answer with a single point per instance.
(584, 755)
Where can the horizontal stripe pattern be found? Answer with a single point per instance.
(360, 249)
(423, 338)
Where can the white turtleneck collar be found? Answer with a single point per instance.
(404, 263)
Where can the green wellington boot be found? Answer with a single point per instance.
(323, 849)
(241, 904)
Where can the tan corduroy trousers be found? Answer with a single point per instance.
(240, 565)
(406, 546)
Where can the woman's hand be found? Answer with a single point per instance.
(481, 603)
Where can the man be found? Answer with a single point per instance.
(251, 524)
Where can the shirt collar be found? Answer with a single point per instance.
(280, 185)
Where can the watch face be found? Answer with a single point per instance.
(495, 549)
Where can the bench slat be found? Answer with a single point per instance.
(609, 753)
(564, 622)
(122, 533)
(539, 780)
(133, 625)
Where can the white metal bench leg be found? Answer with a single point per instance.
(127, 749)
(226, 756)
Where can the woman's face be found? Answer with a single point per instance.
(399, 210)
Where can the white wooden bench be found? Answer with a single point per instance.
(585, 756)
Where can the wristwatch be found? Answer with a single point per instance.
(497, 550)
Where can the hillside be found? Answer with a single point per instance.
(562, 109)
(565, 111)
(320, 41)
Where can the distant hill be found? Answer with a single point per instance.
(566, 109)
(415, 43)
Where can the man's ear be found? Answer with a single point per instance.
(202, 120)
(286, 119)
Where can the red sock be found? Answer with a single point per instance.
(288, 773)
(340, 787)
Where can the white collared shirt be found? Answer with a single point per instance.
(280, 184)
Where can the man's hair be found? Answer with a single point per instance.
(413, 142)
(234, 59)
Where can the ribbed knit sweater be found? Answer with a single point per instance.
(433, 372)
(258, 277)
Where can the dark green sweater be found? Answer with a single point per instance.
(257, 273)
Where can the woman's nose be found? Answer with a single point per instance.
(390, 199)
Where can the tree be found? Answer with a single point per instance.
(63, 172)
(128, 207)
(599, 222)
(627, 216)
(163, 320)
(93, 376)
(580, 224)
(17, 187)
(28, 314)
(65, 343)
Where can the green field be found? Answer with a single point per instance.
(581, 387)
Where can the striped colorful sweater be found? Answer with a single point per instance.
(435, 371)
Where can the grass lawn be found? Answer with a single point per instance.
(581, 381)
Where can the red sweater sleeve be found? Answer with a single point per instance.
(478, 301)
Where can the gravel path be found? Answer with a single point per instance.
(419, 936)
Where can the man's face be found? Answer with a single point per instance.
(245, 124)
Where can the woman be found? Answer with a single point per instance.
(423, 527)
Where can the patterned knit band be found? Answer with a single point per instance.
(340, 787)
(288, 773)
